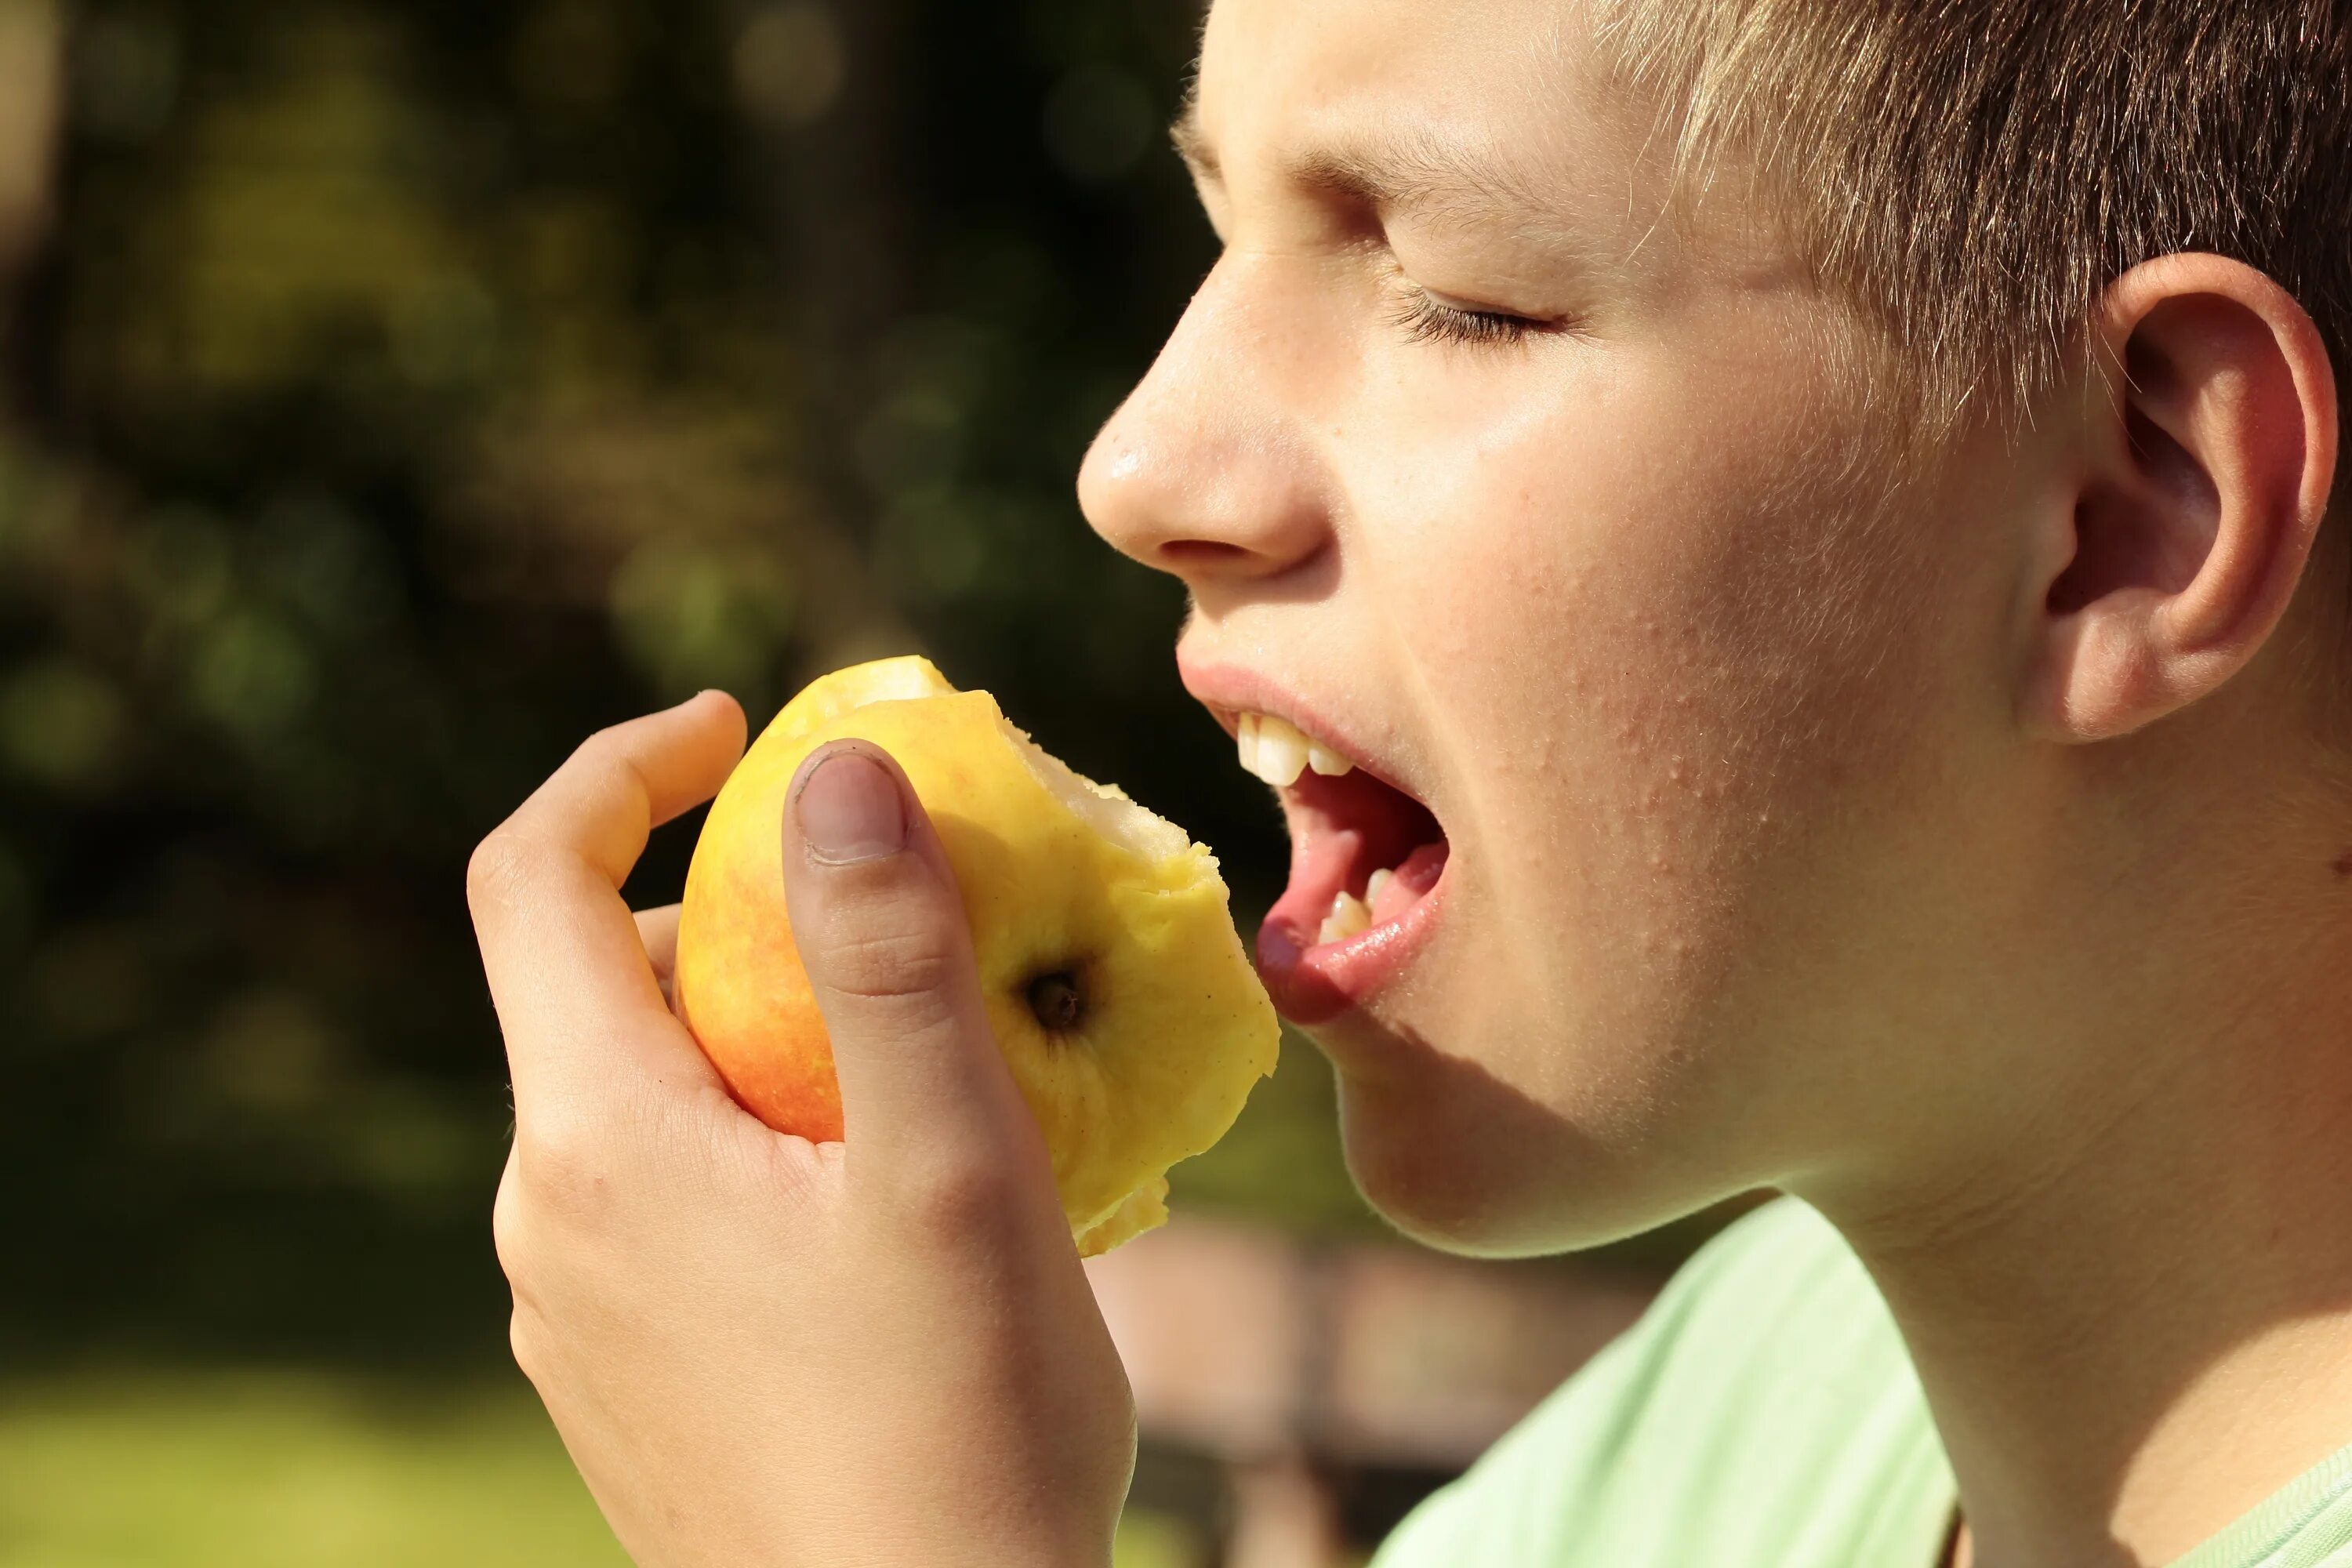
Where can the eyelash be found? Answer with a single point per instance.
(1425, 320)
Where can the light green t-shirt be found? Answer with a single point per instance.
(1763, 1415)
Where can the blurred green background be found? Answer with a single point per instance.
(394, 392)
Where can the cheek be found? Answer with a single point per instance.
(1650, 634)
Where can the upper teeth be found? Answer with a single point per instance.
(1274, 749)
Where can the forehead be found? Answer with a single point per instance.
(1507, 81)
(1515, 93)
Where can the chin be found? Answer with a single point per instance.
(1458, 1160)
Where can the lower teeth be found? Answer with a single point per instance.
(1349, 916)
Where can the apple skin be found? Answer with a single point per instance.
(1167, 1026)
(741, 986)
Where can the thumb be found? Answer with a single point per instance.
(881, 930)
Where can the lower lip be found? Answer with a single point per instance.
(1313, 982)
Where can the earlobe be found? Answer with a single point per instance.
(2206, 477)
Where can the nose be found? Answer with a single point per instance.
(1207, 472)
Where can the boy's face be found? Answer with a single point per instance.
(1588, 573)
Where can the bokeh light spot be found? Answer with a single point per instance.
(570, 57)
(60, 723)
(791, 62)
(252, 676)
(697, 616)
(328, 565)
(1099, 123)
(269, 1050)
(128, 79)
(181, 562)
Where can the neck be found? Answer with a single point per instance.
(2136, 1322)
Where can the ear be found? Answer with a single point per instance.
(2206, 476)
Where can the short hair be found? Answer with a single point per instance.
(1974, 173)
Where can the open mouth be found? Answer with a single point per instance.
(1367, 863)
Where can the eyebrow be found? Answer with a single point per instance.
(1425, 175)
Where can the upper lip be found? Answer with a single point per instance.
(1229, 690)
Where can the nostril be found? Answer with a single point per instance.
(1196, 554)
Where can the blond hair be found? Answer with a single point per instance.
(1973, 174)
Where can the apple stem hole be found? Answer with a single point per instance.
(1057, 1001)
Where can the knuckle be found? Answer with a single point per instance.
(500, 864)
(606, 763)
(959, 1196)
(509, 1231)
(563, 1161)
(601, 749)
(527, 1341)
(881, 960)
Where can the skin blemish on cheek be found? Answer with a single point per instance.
(2344, 863)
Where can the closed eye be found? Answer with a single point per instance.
(1427, 317)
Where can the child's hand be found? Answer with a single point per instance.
(763, 1351)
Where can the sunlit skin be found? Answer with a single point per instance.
(1583, 594)
(1801, 833)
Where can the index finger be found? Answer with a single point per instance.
(575, 993)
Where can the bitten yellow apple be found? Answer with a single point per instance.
(1120, 993)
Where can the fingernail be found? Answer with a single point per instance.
(850, 811)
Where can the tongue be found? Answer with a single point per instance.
(1413, 879)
